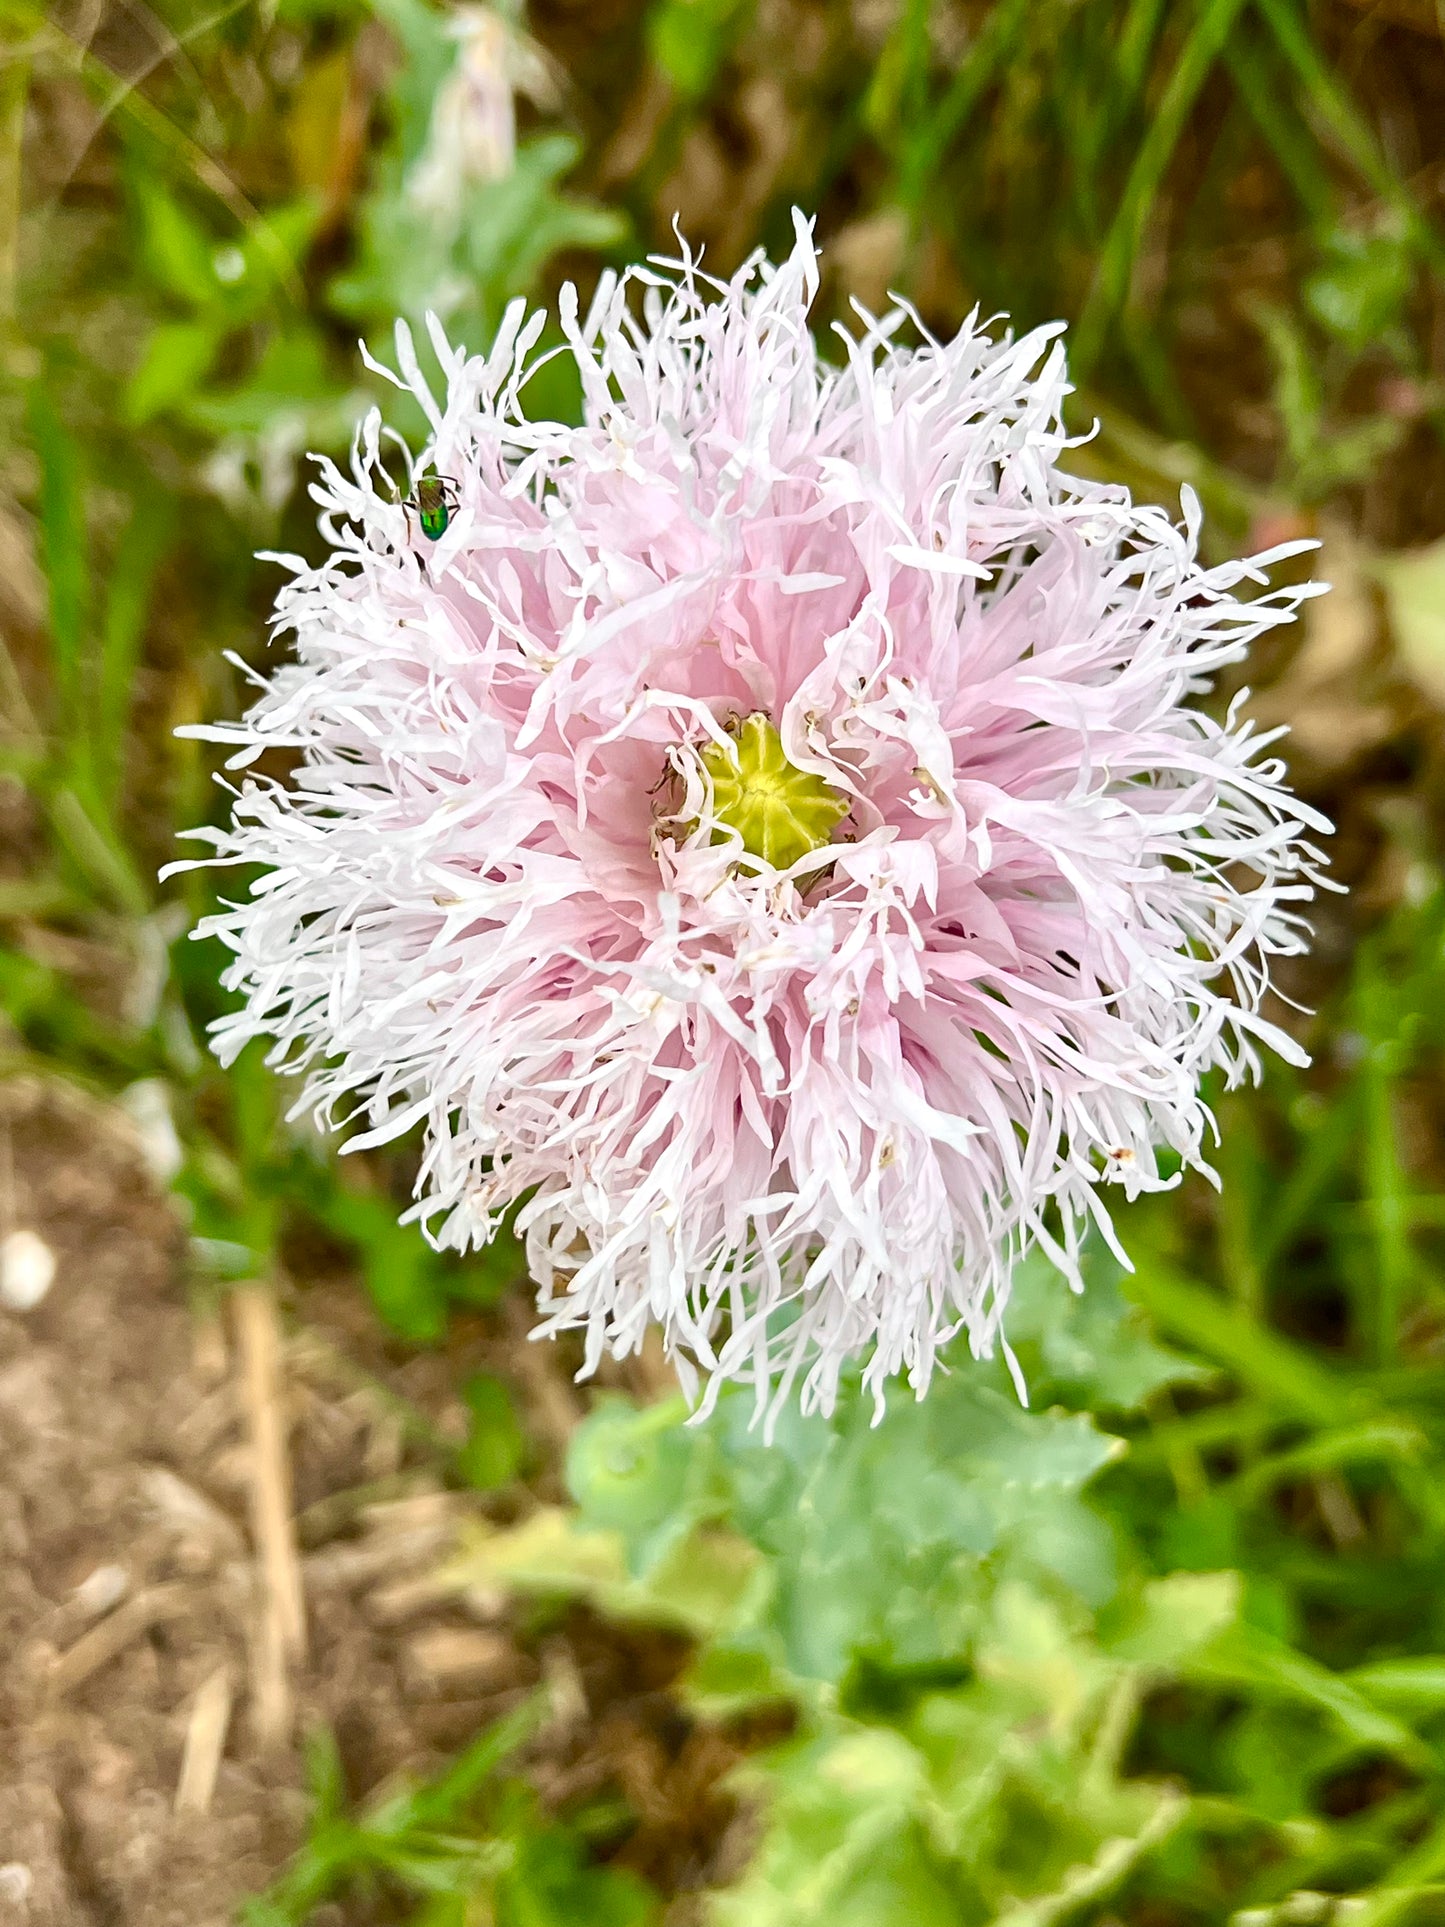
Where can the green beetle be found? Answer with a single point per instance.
(434, 501)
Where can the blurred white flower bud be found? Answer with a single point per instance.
(147, 1103)
(473, 137)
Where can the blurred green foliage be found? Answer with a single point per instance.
(1168, 1648)
(466, 1841)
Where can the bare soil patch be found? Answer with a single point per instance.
(146, 1778)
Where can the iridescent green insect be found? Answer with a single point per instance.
(434, 500)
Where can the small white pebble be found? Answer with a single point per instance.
(147, 1103)
(27, 1270)
(16, 1881)
(101, 1589)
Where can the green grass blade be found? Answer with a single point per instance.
(1135, 44)
(1416, 1874)
(97, 853)
(128, 597)
(901, 72)
(1386, 1184)
(1257, 1357)
(63, 549)
(1289, 141)
(1389, 1214)
(14, 95)
(441, 1801)
(1202, 47)
(1246, 1657)
(158, 133)
(325, 1777)
(1310, 1177)
(1238, 1207)
(1340, 117)
(1215, 1426)
(1415, 1685)
(402, 1831)
(1369, 1443)
(996, 40)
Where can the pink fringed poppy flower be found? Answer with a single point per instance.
(766, 835)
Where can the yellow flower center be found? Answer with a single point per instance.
(780, 811)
